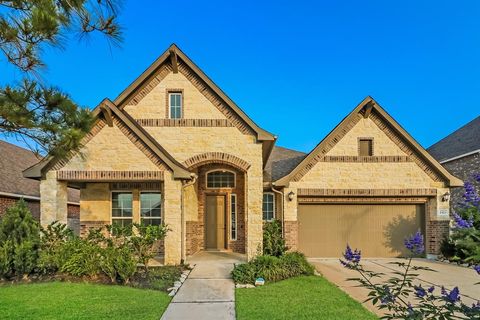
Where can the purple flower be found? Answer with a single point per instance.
(461, 223)
(415, 244)
(476, 176)
(410, 309)
(430, 290)
(477, 268)
(452, 296)
(420, 292)
(470, 195)
(352, 257)
(386, 296)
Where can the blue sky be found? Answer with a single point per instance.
(297, 68)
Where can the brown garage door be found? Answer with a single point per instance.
(378, 230)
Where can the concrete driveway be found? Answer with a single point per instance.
(447, 275)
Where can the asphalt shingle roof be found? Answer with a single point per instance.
(281, 162)
(462, 141)
(13, 160)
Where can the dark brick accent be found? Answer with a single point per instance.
(291, 235)
(33, 205)
(435, 233)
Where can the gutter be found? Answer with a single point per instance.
(183, 253)
(22, 196)
(460, 156)
(282, 205)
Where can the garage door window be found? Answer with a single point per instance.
(268, 206)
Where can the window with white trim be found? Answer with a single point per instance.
(233, 218)
(220, 179)
(150, 208)
(175, 105)
(122, 209)
(268, 206)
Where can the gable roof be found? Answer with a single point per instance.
(13, 160)
(173, 50)
(281, 162)
(366, 109)
(107, 109)
(460, 142)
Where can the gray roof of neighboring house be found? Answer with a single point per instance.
(15, 159)
(464, 140)
(281, 162)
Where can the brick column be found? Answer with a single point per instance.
(53, 203)
(290, 219)
(172, 209)
(254, 218)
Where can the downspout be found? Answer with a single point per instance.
(182, 217)
(282, 206)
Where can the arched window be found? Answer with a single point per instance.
(220, 179)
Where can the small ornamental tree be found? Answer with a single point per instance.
(273, 241)
(399, 297)
(19, 241)
(464, 242)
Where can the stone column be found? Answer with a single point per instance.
(254, 216)
(53, 199)
(172, 209)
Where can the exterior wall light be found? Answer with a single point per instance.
(291, 194)
(446, 197)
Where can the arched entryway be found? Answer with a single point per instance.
(219, 221)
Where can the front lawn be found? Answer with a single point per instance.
(305, 297)
(64, 300)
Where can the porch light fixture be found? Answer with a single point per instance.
(291, 194)
(446, 197)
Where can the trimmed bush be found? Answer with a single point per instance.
(273, 242)
(272, 268)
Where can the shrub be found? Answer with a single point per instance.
(52, 239)
(125, 264)
(144, 239)
(19, 241)
(80, 257)
(273, 242)
(272, 268)
(464, 242)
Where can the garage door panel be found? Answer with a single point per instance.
(378, 230)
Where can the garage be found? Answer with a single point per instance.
(377, 229)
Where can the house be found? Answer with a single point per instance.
(173, 148)
(13, 186)
(459, 153)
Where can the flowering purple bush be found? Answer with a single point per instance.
(400, 298)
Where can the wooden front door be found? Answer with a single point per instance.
(215, 223)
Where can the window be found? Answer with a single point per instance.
(121, 209)
(365, 147)
(233, 219)
(150, 208)
(175, 105)
(268, 206)
(220, 179)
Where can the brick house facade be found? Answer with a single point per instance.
(173, 148)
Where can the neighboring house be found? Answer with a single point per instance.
(459, 152)
(13, 186)
(173, 148)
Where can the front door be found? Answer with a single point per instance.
(215, 222)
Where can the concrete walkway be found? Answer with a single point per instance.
(447, 275)
(209, 291)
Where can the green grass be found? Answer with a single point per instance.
(305, 297)
(64, 300)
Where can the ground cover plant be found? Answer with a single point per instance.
(399, 297)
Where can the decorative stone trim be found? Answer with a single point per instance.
(365, 192)
(327, 146)
(150, 85)
(390, 132)
(374, 159)
(216, 157)
(78, 175)
(383, 200)
(154, 186)
(214, 99)
(184, 122)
